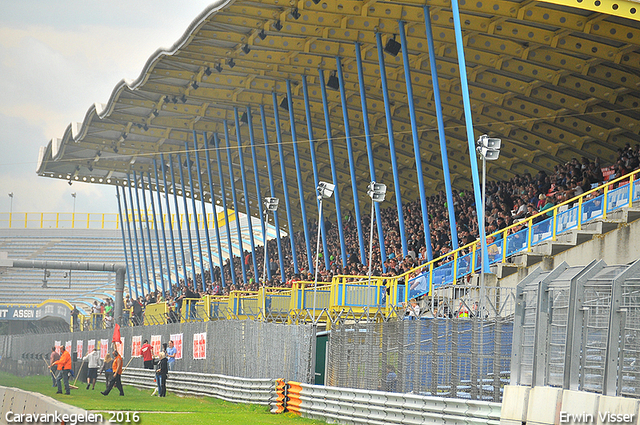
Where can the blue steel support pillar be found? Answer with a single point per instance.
(135, 234)
(144, 249)
(224, 206)
(464, 88)
(441, 135)
(124, 240)
(204, 205)
(352, 166)
(164, 233)
(416, 141)
(234, 198)
(256, 174)
(334, 172)
(179, 221)
(276, 222)
(246, 196)
(186, 216)
(296, 156)
(215, 214)
(168, 204)
(372, 170)
(195, 213)
(392, 145)
(146, 218)
(285, 187)
(155, 228)
(314, 164)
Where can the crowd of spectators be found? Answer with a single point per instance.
(507, 202)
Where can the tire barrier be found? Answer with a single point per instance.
(281, 397)
(228, 388)
(352, 406)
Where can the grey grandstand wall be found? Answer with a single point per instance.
(244, 349)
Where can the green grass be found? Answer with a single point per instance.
(171, 410)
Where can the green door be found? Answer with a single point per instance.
(322, 341)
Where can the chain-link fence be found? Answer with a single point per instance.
(577, 328)
(246, 349)
(466, 358)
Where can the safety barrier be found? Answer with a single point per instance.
(352, 406)
(19, 401)
(228, 388)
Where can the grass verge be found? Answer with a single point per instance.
(171, 410)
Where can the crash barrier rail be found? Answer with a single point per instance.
(577, 328)
(228, 388)
(17, 401)
(349, 406)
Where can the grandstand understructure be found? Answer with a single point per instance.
(250, 162)
(262, 100)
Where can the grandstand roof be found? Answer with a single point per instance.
(555, 80)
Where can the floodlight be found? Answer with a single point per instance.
(262, 34)
(489, 142)
(488, 154)
(377, 191)
(325, 190)
(295, 13)
(271, 204)
(277, 25)
(244, 118)
(246, 49)
(218, 67)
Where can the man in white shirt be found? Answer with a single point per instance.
(94, 363)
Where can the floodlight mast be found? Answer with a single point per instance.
(323, 191)
(376, 192)
(270, 204)
(489, 150)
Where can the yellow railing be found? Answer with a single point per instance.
(473, 248)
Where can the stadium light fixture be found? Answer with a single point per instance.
(376, 192)
(246, 49)
(285, 104)
(295, 13)
(489, 150)
(277, 25)
(218, 67)
(262, 34)
(324, 191)
(270, 204)
(231, 63)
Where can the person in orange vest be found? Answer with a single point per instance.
(64, 369)
(117, 373)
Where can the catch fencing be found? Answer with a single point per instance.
(578, 328)
(462, 358)
(244, 349)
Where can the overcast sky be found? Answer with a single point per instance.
(57, 58)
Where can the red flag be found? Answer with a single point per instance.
(116, 334)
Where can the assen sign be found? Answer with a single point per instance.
(48, 310)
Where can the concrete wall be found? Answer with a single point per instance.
(548, 405)
(24, 402)
(619, 246)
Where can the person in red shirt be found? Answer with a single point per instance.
(117, 373)
(64, 368)
(147, 355)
